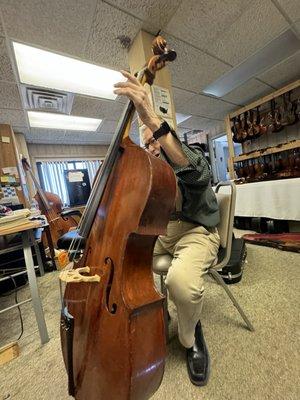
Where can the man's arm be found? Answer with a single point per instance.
(188, 165)
(171, 146)
(136, 92)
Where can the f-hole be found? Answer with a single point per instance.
(113, 308)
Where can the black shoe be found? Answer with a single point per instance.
(197, 359)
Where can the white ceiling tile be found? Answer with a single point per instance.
(248, 92)
(217, 129)
(291, 7)
(36, 135)
(154, 13)
(6, 72)
(31, 139)
(9, 96)
(283, 73)
(193, 69)
(86, 138)
(96, 108)
(103, 45)
(202, 22)
(258, 25)
(209, 107)
(181, 96)
(21, 129)
(197, 123)
(108, 127)
(61, 25)
(1, 27)
(296, 25)
(12, 117)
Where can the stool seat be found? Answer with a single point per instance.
(65, 240)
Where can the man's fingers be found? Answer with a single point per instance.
(130, 77)
(125, 85)
(133, 95)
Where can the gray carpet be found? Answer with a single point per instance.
(244, 365)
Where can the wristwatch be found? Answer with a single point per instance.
(162, 130)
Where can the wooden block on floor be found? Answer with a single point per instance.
(9, 352)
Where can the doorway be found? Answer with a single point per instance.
(220, 157)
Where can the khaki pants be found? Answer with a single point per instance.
(193, 250)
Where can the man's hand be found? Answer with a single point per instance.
(136, 92)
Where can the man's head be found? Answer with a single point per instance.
(150, 144)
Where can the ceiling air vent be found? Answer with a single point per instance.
(46, 100)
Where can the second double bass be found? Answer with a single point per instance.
(51, 206)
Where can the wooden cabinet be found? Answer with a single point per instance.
(12, 180)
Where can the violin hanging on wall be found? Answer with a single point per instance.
(51, 206)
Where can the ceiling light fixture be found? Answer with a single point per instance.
(273, 53)
(181, 117)
(60, 121)
(50, 70)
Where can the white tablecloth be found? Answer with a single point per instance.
(274, 199)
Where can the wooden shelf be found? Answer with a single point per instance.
(262, 151)
(269, 150)
(265, 99)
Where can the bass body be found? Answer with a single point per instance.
(115, 347)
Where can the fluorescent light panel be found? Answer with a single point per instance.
(181, 117)
(50, 70)
(276, 51)
(61, 121)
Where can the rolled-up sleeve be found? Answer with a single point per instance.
(198, 171)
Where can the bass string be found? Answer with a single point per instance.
(76, 244)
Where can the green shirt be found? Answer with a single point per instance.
(199, 203)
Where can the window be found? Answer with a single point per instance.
(51, 174)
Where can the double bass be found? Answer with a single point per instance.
(112, 324)
(51, 206)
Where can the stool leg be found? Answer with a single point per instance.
(165, 306)
(219, 279)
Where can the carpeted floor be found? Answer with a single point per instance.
(252, 366)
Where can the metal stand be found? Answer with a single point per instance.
(36, 301)
(37, 252)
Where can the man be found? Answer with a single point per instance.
(192, 238)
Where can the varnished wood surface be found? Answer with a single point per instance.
(58, 225)
(119, 341)
(9, 156)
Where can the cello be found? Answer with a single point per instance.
(112, 324)
(51, 206)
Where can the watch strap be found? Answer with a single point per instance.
(162, 130)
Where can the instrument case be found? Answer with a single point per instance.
(233, 271)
